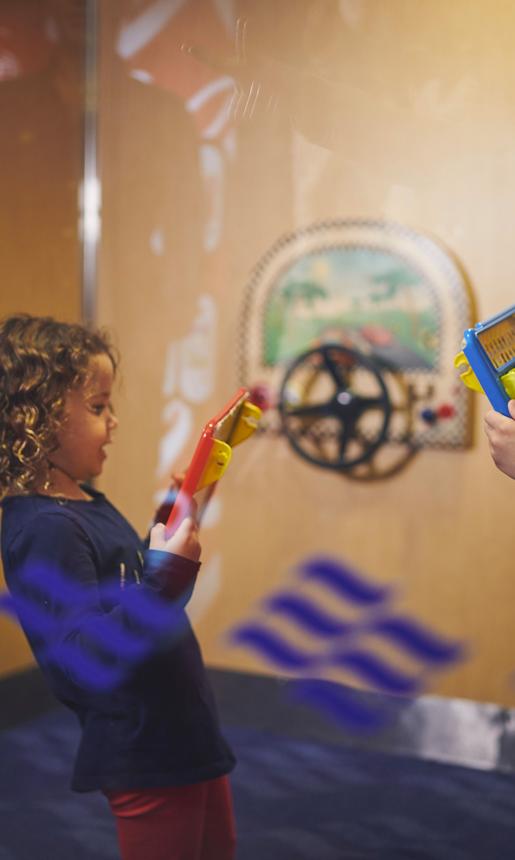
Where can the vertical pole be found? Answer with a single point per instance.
(90, 196)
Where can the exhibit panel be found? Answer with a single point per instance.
(280, 178)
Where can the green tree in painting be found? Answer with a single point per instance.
(278, 312)
(391, 282)
(306, 291)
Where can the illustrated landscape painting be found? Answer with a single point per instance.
(358, 295)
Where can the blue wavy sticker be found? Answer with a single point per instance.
(334, 642)
(96, 634)
(346, 583)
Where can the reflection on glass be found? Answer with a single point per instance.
(41, 146)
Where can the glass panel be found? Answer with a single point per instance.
(41, 154)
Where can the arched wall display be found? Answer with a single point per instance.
(383, 289)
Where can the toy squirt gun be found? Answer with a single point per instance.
(487, 359)
(232, 425)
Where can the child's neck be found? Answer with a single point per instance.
(61, 485)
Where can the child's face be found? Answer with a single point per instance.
(89, 423)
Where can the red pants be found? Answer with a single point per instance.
(191, 822)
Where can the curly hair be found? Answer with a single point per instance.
(41, 360)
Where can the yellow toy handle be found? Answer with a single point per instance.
(219, 458)
(508, 382)
(246, 423)
(468, 377)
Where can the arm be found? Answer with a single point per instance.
(500, 431)
(90, 635)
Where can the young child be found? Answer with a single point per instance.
(500, 431)
(104, 615)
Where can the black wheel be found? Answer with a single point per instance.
(334, 407)
(400, 447)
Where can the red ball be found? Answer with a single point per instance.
(261, 396)
(446, 410)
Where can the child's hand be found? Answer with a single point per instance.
(183, 542)
(164, 509)
(500, 431)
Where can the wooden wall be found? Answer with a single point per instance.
(395, 110)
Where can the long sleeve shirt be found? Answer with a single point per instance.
(106, 621)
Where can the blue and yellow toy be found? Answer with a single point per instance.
(488, 359)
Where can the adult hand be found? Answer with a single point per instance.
(500, 431)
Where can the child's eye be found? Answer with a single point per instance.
(99, 408)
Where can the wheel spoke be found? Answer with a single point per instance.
(334, 369)
(363, 404)
(346, 434)
(313, 410)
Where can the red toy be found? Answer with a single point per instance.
(233, 424)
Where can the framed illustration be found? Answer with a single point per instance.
(392, 296)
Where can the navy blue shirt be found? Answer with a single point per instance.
(106, 621)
